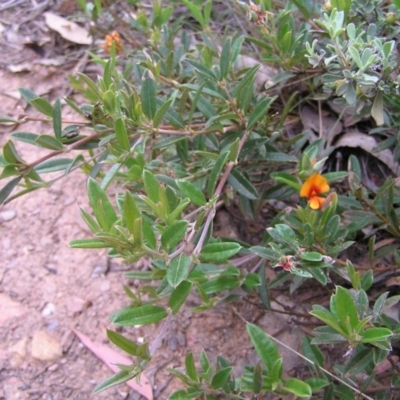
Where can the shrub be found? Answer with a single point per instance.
(184, 126)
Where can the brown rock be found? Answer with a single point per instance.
(10, 309)
(45, 347)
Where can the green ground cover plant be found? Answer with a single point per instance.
(182, 126)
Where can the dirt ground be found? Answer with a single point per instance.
(47, 289)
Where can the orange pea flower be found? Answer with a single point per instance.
(312, 188)
(113, 37)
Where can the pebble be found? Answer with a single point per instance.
(45, 347)
(49, 309)
(10, 309)
(105, 286)
(7, 215)
(76, 305)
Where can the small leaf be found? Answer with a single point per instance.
(219, 252)
(345, 307)
(221, 378)
(298, 387)
(49, 142)
(225, 59)
(174, 234)
(178, 269)
(148, 96)
(122, 134)
(152, 186)
(142, 315)
(377, 109)
(240, 183)
(58, 164)
(179, 296)
(88, 244)
(26, 137)
(102, 208)
(190, 190)
(190, 367)
(57, 123)
(259, 111)
(42, 106)
(7, 189)
(122, 342)
(311, 256)
(265, 347)
(372, 335)
(201, 69)
(214, 174)
(161, 112)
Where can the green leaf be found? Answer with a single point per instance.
(225, 60)
(221, 377)
(122, 342)
(58, 164)
(152, 186)
(26, 137)
(142, 315)
(240, 183)
(101, 206)
(161, 113)
(328, 318)
(201, 69)
(298, 387)
(287, 179)
(174, 234)
(130, 212)
(178, 269)
(49, 142)
(179, 296)
(316, 383)
(190, 367)
(116, 379)
(196, 12)
(264, 345)
(10, 153)
(57, 123)
(345, 308)
(42, 106)
(220, 284)
(122, 134)
(148, 96)
(7, 189)
(214, 174)
(88, 244)
(259, 111)
(219, 252)
(372, 335)
(190, 190)
(311, 256)
(7, 120)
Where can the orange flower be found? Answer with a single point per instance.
(312, 188)
(113, 37)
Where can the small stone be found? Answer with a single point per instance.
(45, 347)
(19, 348)
(76, 305)
(7, 215)
(105, 286)
(49, 309)
(10, 309)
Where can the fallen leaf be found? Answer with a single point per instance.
(67, 29)
(111, 358)
(355, 138)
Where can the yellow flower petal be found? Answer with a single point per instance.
(316, 202)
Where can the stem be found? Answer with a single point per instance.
(58, 152)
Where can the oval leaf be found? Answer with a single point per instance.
(142, 315)
(219, 252)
